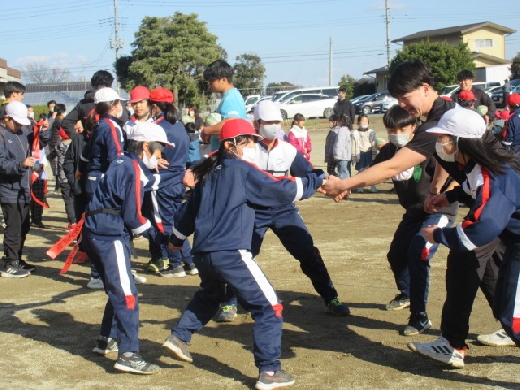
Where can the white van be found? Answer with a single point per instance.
(450, 89)
(330, 91)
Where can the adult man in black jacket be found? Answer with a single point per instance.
(343, 105)
(465, 78)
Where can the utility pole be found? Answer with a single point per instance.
(116, 43)
(330, 61)
(387, 8)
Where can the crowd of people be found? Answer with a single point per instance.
(125, 173)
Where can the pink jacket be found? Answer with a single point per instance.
(300, 139)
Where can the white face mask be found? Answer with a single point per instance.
(270, 131)
(249, 154)
(364, 127)
(400, 140)
(150, 162)
(442, 154)
(31, 115)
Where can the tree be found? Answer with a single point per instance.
(348, 82)
(515, 67)
(273, 87)
(445, 61)
(249, 74)
(171, 52)
(39, 73)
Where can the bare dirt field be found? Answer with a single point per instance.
(49, 323)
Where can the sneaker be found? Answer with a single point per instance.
(137, 278)
(373, 189)
(95, 284)
(177, 349)
(226, 313)
(496, 339)
(105, 345)
(417, 323)
(360, 190)
(440, 350)
(14, 270)
(173, 272)
(38, 225)
(278, 379)
(26, 266)
(398, 303)
(190, 269)
(135, 363)
(156, 266)
(337, 308)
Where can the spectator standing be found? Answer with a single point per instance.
(465, 78)
(344, 106)
(331, 139)
(506, 91)
(364, 141)
(58, 115)
(66, 191)
(342, 148)
(39, 176)
(299, 136)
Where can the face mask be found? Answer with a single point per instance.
(249, 154)
(399, 140)
(130, 111)
(269, 131)
(442, 154)
(364, 127)
(150, 162)
(192, 113)
(31, 115)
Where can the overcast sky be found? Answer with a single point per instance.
(291, 36)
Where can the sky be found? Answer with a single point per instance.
(290, 36)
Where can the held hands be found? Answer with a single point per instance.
(205, 138)
(189, 179)
(173, 247)
(427, 233)
(435, 202)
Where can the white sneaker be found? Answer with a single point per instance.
(95, 284)
(137, 278)
(440, 350)
(496, 339)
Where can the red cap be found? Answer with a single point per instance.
(161, 95)
(513, 99)
(139, 93)
(63, 134)
(235, 127)
(467, 95)
(446, 98)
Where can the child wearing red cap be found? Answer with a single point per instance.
(220, 212)
(511, 132)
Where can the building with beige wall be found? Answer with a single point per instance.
(7, 74)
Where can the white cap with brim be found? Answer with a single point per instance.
(17, 111)
(268, 111)
(460, 122)
(106, 94)
(149, 132)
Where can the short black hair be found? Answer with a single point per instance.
(465, 74)
(28, 106)
(342, 89)
(397, 117)
(13, 86)
(218, 69)
(408, 76)
(190, 127)
(51, 102)
(59, 109)
(101, 78)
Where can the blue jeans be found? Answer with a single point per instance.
(344, 169)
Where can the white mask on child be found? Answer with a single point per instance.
(150, 162)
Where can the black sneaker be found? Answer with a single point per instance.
(177, 349)
(278, 379)
(134, 363)
(398, 303)
(105, 345)
(14, 270)
(29, 267)
(337, 308)
(417, 323)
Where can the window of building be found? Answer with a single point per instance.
(483, 43)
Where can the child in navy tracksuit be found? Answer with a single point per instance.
(493, 181)
(111, 216)
(220, 213)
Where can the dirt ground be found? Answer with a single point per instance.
(49, 322)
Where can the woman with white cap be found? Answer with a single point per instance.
(493, 182)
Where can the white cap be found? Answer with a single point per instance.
(148, 132)
(106, 94)
(460, 122)
(267, 110)
(18, 111)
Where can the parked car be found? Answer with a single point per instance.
(496, 94)
(279, 95)
(373, 104)
(261, 99)
(250, 101)
(387, 104)
(309, 105)
(358, 98)
(449, 89)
